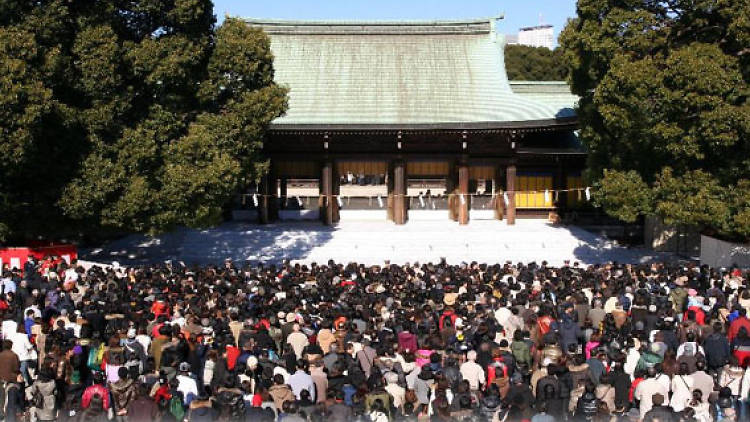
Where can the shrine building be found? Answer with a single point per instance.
(415, 104)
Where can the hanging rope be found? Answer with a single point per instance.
(548, 195)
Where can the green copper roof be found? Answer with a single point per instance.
(393, 73)
(554, 93)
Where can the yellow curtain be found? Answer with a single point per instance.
(531, 189)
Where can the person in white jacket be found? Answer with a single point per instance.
(745, 388)
(472, 372)
(682, 389)
(23, 348)
(631, 361)
(732, 377)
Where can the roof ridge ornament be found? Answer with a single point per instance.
(402, 27)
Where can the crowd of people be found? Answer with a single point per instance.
(347, 342)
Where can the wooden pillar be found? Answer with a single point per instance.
(283, 192)
(336, 185)
(390, 189)
(451, 189)
(264, 190)
(463, 193)
(328, 205)
(400, 213)
(499, 199)
(510, 187)
(273, 198)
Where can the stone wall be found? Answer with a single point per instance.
(665, 238)
(719, 253)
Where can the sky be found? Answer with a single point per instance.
(518, 13)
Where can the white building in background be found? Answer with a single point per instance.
(537, 36)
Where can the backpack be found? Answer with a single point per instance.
(232, 405)
(588, 406)
(96, 355)
(44, 402)
(547, 388)
(176, 408)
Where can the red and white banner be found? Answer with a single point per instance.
(16, 257)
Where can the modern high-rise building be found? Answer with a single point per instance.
(537, 36)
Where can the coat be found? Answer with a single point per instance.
(682, 392)
(717, 350)
(10, 366)
(521, 352)
(143, 409)
(280, 394)
(606, 394)
(123, 392)
(325, 339)
(570, 334)
(43, 399)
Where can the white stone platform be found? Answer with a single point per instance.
(373, 242)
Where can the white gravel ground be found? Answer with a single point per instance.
(373, 242)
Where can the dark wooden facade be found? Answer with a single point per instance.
(460, 154)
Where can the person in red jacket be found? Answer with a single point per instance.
(741, 347)
(232, 354)
(450, 315)
(700, 316)
(97, 389)
(544, 322)
(741, 321)
(160, 307)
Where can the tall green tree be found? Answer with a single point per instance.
(664, 108)
(524, 63)
(136, 115)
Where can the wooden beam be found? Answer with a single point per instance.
(273, 200)
(499, 186)
(329, 207)
(463, 191)
(400, 212)
(510, 187)
(283, 192)
(264, 189)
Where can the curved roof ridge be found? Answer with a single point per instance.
(452, 26)
(372, 22)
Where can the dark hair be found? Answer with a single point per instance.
(290, 407)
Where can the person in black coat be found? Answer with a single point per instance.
(717, 349)
(548, 392)
(621, 382)
(659, 412)
(519, 392)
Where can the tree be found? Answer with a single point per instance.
(524, 63)
(663, 109)
(133, 115)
